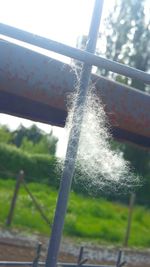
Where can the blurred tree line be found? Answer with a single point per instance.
(32, 140)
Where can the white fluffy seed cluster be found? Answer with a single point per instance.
(97, 165)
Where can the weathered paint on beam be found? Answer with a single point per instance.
(36, 87)
(128, 110)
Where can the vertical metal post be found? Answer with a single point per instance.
(81, 261)
(13, 202)
(80, 255)
(69, 164)
(128, 229)
(119, 262)
(119, 259)
(37, 256)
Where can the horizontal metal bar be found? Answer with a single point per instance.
(74, 53)
(59, 264)
(37, 88)
(18, 263)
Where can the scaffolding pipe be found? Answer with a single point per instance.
(84, 56)
(69, 164)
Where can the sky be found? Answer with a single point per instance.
(59, 20)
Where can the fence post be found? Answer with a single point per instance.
(131, 206)
(38, 207)
(81, 261)
(14, 198)
(120, 263)
(37, 256)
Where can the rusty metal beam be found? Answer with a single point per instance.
(35, 86)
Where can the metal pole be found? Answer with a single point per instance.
(14, 199)
(128, 229)
(85, 56)
(81, 261)
(69, 164)
(37, 256)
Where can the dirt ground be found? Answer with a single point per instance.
(14, 247)
(13, 252)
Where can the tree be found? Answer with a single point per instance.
(46, 145)
(52, 143)
(33, 134)
(34, 140)
(128, 42)
(5, 135)
(128, 37)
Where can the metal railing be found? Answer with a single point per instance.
(80, 261)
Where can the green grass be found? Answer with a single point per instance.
(95, 220)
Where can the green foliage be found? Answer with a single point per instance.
(33, 140)
(140, 161)
(33, 134)
(42, 147)
(5, 135)
(44, 168)
(37, 167)
(88, 219)
(51, 142)
(128, 37)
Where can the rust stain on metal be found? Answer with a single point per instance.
(38, 78)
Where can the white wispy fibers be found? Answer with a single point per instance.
(98, 167)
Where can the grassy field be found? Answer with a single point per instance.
(95, 220)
